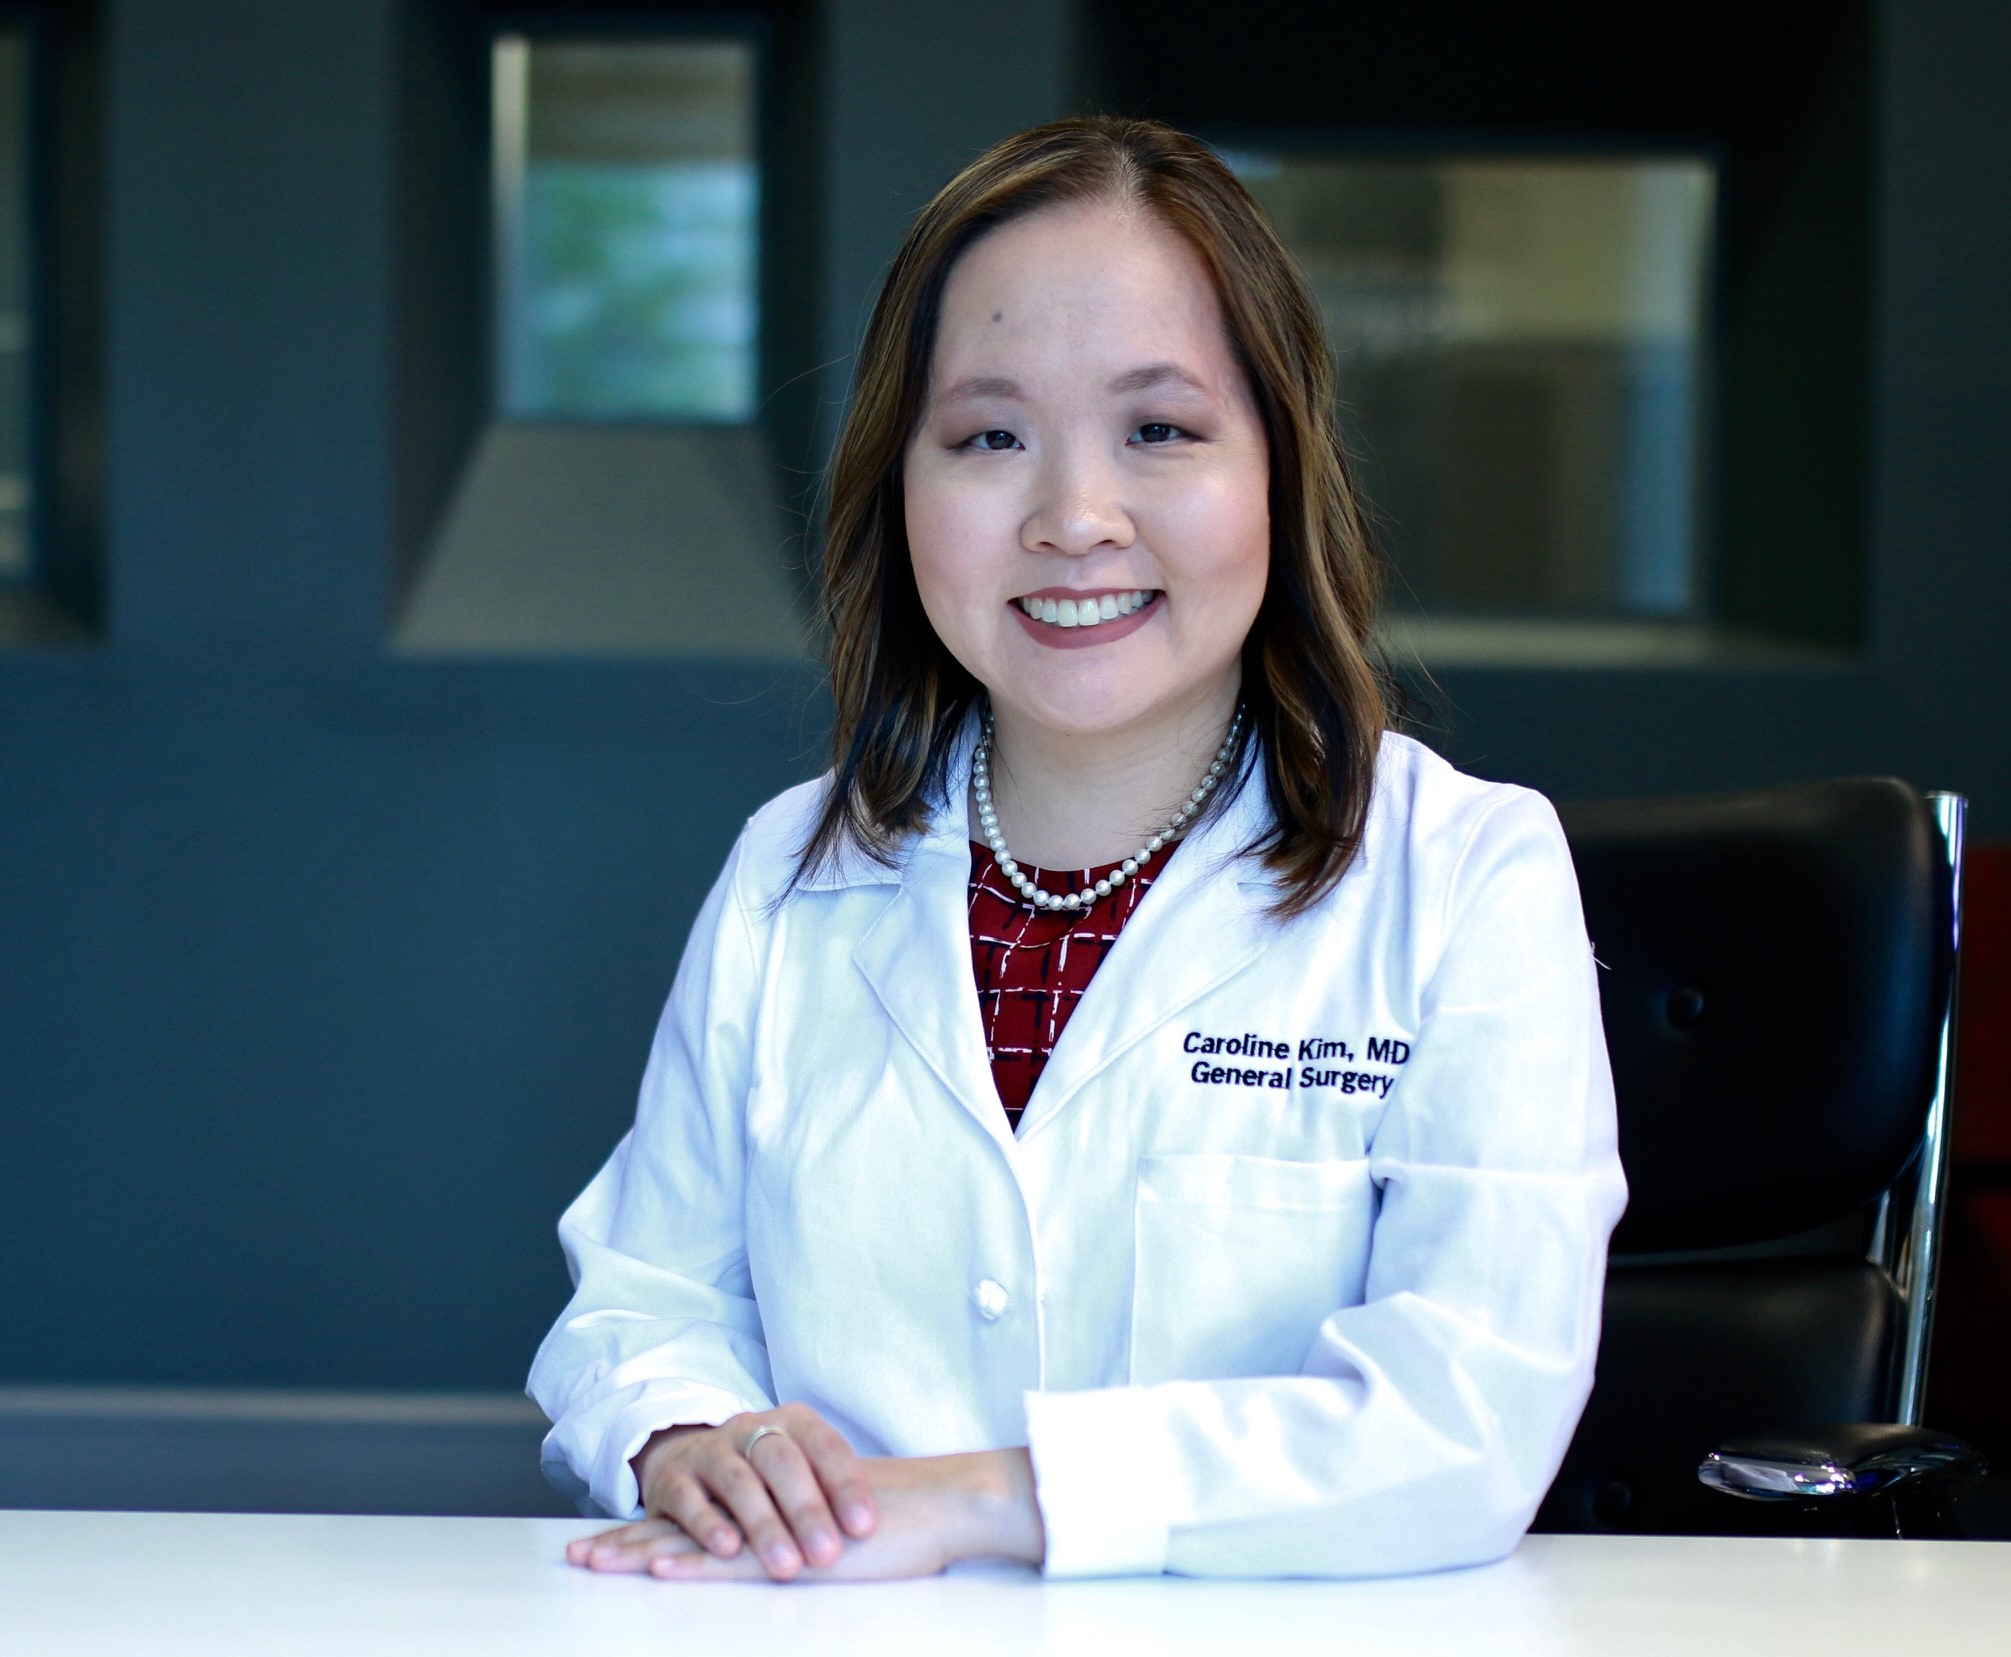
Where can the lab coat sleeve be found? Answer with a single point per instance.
(662, 1328)
(1427, 1422)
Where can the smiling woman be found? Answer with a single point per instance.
(1097, 438)
(1092, 303)
(934, 1238)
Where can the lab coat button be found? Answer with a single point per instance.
(991, 1300)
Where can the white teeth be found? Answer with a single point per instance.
(1088, 612)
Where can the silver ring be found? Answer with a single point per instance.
(755, 1437)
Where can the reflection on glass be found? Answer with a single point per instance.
(626, 195)
(1519, 347)
(15, 499)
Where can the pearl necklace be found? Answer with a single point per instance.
(988, 818)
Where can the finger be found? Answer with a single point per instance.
(625, 1549)
(841, 1474)
(745, 1494)
(580, 1548)
(793, 1483)
(701, 1517)
(678, 1546)
(699, 1566)
(644, 1555)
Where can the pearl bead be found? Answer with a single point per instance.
(1075, 902)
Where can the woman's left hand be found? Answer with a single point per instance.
(934, 1511)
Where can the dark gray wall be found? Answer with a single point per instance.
(325, 978)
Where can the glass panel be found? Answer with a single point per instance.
(16, 546)
(626, 199)
(1519, 347)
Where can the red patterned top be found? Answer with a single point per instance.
(1032, 965)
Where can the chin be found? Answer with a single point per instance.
(1085, 710)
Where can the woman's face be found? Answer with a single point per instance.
(1089, 449)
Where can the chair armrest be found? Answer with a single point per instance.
(1855, 1459)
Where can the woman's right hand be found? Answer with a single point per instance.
(795, 1499)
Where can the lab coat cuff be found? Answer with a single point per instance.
(685, 1404)
(1100, 1467)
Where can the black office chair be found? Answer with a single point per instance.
(1778, 983)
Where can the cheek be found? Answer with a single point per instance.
(949, 534)
(1225, 534)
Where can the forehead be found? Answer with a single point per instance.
(1089, 285)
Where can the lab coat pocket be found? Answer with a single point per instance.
(1239, 1259)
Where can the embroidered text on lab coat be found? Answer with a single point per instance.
(1302, 1074)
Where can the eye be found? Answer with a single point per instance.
(1155, 432)
(992, 442)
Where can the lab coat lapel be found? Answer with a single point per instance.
(1204, 921)
(917, 958)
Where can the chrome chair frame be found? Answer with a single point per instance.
(1870, 1459)
(1911, 1256)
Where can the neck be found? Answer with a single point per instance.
(1072, 801)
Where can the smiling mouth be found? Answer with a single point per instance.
(1086, 612)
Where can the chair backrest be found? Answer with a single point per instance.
(1777, 981)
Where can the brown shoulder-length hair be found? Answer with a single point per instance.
(1318, 700)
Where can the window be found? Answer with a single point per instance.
(626, 206)
(606, 489)
(1520, 345)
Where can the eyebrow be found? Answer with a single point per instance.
(984, 385)
(1150, 376)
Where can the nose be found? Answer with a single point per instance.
(1078, 509)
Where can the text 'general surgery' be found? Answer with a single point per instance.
(1310, 1062)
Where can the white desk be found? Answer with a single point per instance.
(81, 1584)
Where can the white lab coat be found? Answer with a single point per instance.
(1295, 1264)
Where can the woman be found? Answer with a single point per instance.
(1137, 1113)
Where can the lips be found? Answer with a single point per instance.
(1109, 616)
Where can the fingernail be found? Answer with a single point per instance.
(719, 1541)
(781, 1556)
(857, 1514)
(820, 1541)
